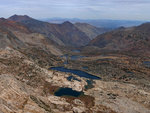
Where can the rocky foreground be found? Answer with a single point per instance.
(26, 87)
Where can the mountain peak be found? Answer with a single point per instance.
(67, 23)
(15, 15)
(2, 19)
(19, 18)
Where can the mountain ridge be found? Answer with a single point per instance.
(104, 23)
(70, 36)
(90, 30)
(131, 39)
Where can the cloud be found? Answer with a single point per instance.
(98, 9)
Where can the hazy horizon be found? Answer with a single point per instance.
(74, 18)
(85, 9)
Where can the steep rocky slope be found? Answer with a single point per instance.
(26, 87)
(12, 25)
(134, 39)
(14, 34)
(63, 34)
(7, 38)
(90, 31)
(69, 34)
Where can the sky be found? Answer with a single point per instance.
(83, 9)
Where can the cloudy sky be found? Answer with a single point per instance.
(84, 9)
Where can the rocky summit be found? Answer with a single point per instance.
(62, 68)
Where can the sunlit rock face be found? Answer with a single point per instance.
(33, 93)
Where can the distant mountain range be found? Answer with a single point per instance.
(102, 23)
(62, 34)
(129, 40)
(21, 31)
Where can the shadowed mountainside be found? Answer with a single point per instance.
(134, 39)
(89, 30)
(16, 35)
(13, 25)
(7, 38)
(63, 34)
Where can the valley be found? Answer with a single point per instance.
(59, 68)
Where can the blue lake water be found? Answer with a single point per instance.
(84, 67)
(67, 92)
(76, 51)
(66, 62)
(76, 72)
(76, 57)
(89, 84)
(146, 63)
(72, 57)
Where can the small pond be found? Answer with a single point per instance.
(72, 57)
(67, 92)
(76, 57)
(89, 84)
(76, 51)
(85, 67)
(76, 72)
(146, 63)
